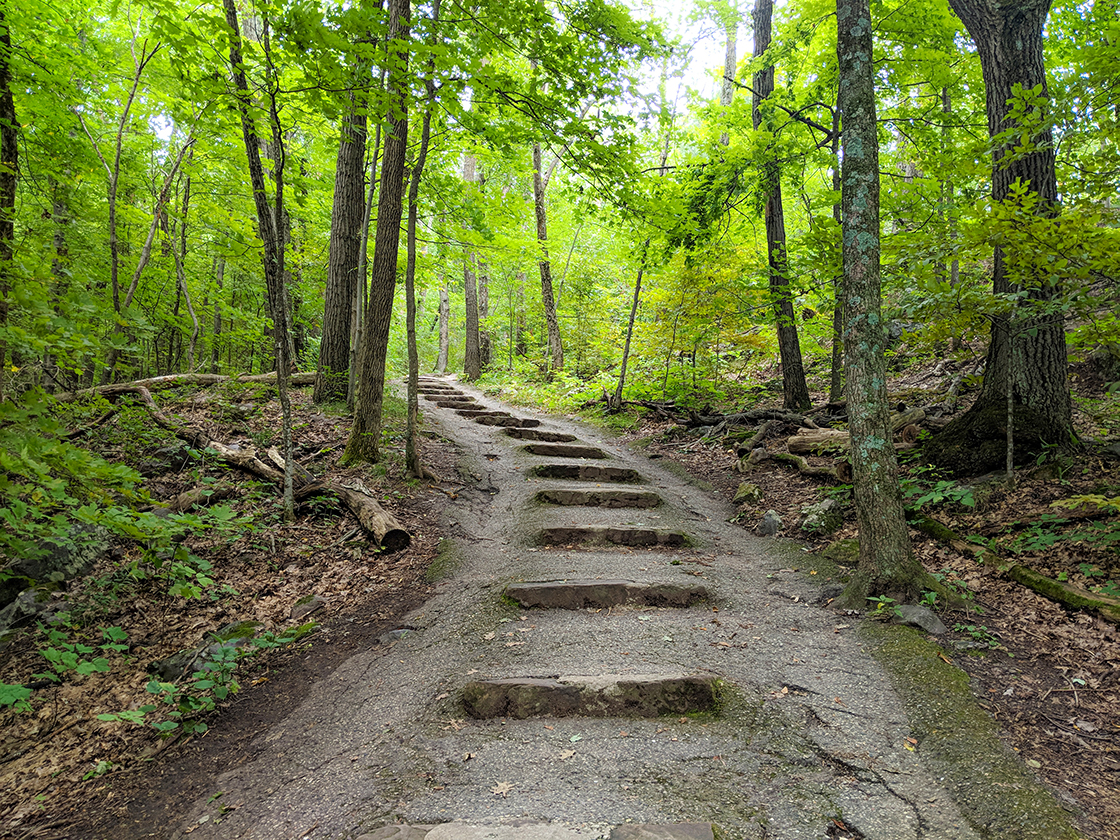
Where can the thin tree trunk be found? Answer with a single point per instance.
(142, 262)
(345, 247)
(886, 562)
(9, 157)
(359, 308)
(472, 360)
(484, 349)
(444, 327)
(219, 274)
(180, 273)
(555, 346)
(363, 444)
(794, 388)
(268, 215)
(412, 437)
(836, 376)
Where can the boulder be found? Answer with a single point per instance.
(822, 518)
(769, 525)
(747, 494)
(922, 617)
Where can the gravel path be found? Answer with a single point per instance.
(790, 728)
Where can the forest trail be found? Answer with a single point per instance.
(711, 692)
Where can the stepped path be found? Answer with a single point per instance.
(608, 657)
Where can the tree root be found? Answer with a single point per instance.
(175, 380)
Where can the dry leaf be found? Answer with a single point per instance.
(502, 789)
(567, 754)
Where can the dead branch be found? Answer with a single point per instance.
(175, 380)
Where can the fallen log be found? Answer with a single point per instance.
(1067, 594)
(805, 468)
(808, 441)
(175, 380)
(380, 525)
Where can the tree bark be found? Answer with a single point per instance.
(836, 373)
(219, 275)
(1008, 39)
(365, 435)
(9, 156)
(345, 246)
(555, 346)
(886, 561)
(795, 391)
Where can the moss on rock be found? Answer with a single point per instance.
(961, 743)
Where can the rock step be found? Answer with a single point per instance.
(508, 421)
(549, 437)
(587, 472)
(608, 695)
(437, 389)
(599, 498)
(481, 412)
(614, 536)
(456, 403)
(581, 594)
(564, 450)
(524, 830)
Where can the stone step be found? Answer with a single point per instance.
(535, 434)
(525, 830)
(599, 498)
(565, 535)
(564, 450)
(481, 412)
(582, 594)
(587, 472)
(508, 422)
(456, 403)
(608, 695)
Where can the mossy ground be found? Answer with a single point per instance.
(994, 790)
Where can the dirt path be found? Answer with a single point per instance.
(709, 688)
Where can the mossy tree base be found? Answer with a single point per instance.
(976, 442)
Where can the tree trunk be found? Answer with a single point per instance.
(345, 246)
(358, 310)
(886, 562)
(268, 215)
(444, 328)
(219, 274)
(484, 348)
(180, 271)
(366, 432)
(412, 437)
(472, 358)
(9, 155)
(1009, 42)
(730, 63)
(836, 374)
(555, 347)
(794, 389)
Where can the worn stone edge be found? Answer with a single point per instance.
(961, 743)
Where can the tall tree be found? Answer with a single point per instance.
(9, 152)
(1026, 363)
(345, 245)
(794, 389)
(365, 434)
(268, 216)
(472, 359)
(886, 562)
(540, 184)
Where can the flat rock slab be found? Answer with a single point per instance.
(432, 390)
(599, 498)
(581, 594)
(455, 403)
(482, 412)
(536, 434)
(508, 422)
(609, 695)
(564, 450)
(680, 831)
(528, 831)
(587, 472)
(613, 536)
(398, 832)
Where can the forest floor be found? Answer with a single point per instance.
(1050, 676)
